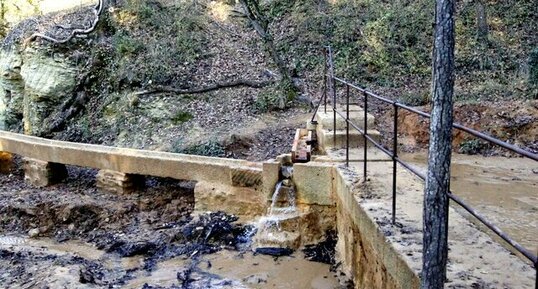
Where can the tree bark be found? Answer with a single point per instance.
(481, 21)
(435, 225)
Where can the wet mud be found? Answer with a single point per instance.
(71, 235)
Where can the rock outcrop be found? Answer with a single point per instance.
(33, 85)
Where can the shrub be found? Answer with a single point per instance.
(273, 97)
(210, 149)
(181, 117)
(473, 146)
(414, 99)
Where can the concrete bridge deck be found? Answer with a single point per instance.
(129, 161)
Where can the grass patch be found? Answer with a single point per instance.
(181, 117)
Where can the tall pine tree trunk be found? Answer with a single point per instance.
(435, 224)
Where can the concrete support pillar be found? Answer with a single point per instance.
(118, 182)
(41, 174)
(6, 162)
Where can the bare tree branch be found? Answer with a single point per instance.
(216, 86)
(260, 23)
(98, 10)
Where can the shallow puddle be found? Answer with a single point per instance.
(268, 272)
(221, 270)
(504, 190)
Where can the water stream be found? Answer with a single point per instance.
(279, 227)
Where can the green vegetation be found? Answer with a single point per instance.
(210, 149)
(473, 147)
(274, 97)
(413, 99)
(181, 117)
(388, 44)
(533, 68)
(144, 46)
(154, 44)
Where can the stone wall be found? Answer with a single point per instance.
(366, 255)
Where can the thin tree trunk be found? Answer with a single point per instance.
(481, 21)
(435, 246)
(261, 26)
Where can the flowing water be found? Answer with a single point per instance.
(278, 229)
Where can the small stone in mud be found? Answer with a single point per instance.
(33, 233)
(256, 278)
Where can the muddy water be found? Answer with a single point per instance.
(285, 272)
(504, 190)
(224, 269)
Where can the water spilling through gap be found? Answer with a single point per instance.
(279, 229)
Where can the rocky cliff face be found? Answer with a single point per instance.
(33, 85)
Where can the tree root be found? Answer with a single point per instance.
(98, 10)
(216, 86)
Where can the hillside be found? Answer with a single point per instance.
(127, 82)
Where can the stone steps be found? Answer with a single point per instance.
(328, 139)
(325, 120)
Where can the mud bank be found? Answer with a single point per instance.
(71, 235)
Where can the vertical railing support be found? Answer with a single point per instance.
(326, 79)
(394, 162)
(347, 125)
(536, 268)
(333, 83)
(365, 134)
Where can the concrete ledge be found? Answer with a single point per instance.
(357, 117)
(129, 161)
(242, 201)
(271, 174)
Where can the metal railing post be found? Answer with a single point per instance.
(347, 125)
(536, 268)
(333, 83)
(365, 134)
(394, 162)
(326, 79)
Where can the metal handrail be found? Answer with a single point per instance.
(330, 78)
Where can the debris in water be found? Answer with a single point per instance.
(274, 251)
(323, 252)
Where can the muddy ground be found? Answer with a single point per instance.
(71, 235)
(515, 122)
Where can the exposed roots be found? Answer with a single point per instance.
(98, 10)
(216, 86)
